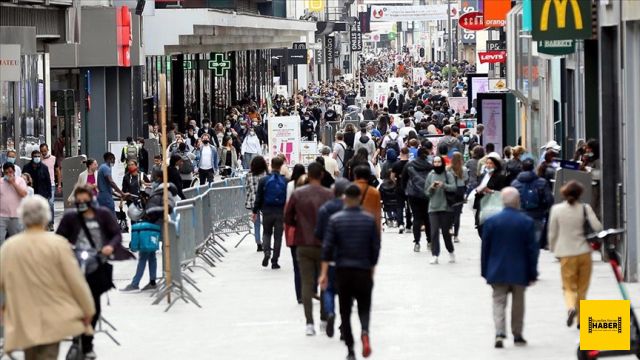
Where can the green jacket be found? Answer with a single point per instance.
(437, 198)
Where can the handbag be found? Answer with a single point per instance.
(490, 205)
(455, 197)
(122, 219)
(75, 350)
(145, 237)
(100, 275)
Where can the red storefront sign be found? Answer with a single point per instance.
(123, 35)
(492, 57)
(472, 21)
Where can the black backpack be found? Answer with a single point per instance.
(187, 166)
(393, 144)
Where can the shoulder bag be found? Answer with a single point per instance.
(100, 275)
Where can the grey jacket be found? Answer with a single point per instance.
(437, 198)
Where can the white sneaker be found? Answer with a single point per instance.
(416, 247)
(401, 229)
(456, 239)
(311, 331)
(323, 326)
(434, 260)
(452, 258)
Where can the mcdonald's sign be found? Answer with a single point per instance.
(561, 19)
(316, 5)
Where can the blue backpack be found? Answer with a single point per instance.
(530, 196)
(275, 190)
(145, 237)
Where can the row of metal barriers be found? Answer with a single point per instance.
(199, 226)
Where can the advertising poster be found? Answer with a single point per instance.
(479, 85)
(396, 81)
(459, 104)
(281, 90)
(419, 75)
(117, 171)
(408, 13)
(308, 152)
(381, 93)
(284, 138)
(492, 120)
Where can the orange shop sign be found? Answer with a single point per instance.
(495, 12)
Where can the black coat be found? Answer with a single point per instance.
(176, 179)
(143, 160)
(41, 178)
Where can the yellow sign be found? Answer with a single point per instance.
(605, 324)
(315, 5)
(551, 20)
(561, 14)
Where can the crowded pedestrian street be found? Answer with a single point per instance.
(319, 179)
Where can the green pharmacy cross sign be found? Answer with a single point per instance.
(219, 64)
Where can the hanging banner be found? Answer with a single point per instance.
(284, 138)
(329, 48)
(10, 62)
(319, 53)
(492, 57)
(495, 12)
(560, 20)
(355, 40)
(468, 36)
(408, 13)
(557, 47)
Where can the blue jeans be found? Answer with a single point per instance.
(246, 160)
(328, 296)
(52, 203)
(256, 228)
(143, 258)
(107, 201)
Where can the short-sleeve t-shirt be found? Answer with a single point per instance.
(104, 187)
(339, 149)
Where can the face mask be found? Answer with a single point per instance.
(227, 125)
(11, 160)
(439, 169)
(112, 163)
(37, 160)
(206, 126)
(83, 206)
(490, 170)
(589, 154)
(243, 127)
(465, 139)
(252, 133)
(255, 123)
(206, 142)
(6, 178)
(133, 168)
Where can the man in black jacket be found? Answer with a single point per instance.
(415, 174)
(39, 174)
(207, 129)
(352, 240)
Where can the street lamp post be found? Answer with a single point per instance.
(450, 46)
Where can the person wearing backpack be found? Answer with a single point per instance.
(271, 196)
(365, 141)
(415, 173)
(535, 198)
(392, 140)
(130, 151)
(186, 167)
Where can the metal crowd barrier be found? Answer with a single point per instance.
(199, 225)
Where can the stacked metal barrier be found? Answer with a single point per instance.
(208, 216)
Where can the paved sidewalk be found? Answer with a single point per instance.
(420, 311)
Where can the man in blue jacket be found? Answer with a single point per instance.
(352, 240)
(509, 262)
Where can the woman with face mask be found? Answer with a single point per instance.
(134, 181)
(492, 181)
(228, 157)
(251, 147)
(438, 182)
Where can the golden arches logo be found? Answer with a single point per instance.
(561, 14)
(316, 5)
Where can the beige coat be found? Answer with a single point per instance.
(566, 229)
(46, 296)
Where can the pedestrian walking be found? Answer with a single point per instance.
(535, 198)
(251, 147)
(509, 262)
(46, 298)
(106, 185)
(363, 140)
(27, 179)
(371, 200)
(143, 156)
(302, 212)
(87, 178)
(50, 162)
(257, 171)
(461, 176)
(40, 176)
(352, 240)
(129, 151)
(440, 212)
(12, 156)
(415, 174)
(324, 213)
(206, 160)
(330, 164)
(271, 196)
(12, 190)
(340, 152)
(134, 181)
(298, 179)
(93, 230)
(568, 223)
(228, 158)
(493, 180)
(174, 176)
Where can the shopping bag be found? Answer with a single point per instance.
(490, 205)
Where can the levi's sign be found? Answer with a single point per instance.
(473, 21)
(492, 57)
(561, 19)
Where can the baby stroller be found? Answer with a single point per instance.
(391, 204)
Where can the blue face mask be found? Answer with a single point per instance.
(11, 160)
(6, 178)
(37, 160)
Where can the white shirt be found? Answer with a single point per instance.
(331, 165)
(392, 136)
(251, 145)
(404, 132)
(206, 158)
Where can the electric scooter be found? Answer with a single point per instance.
(605, 238)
